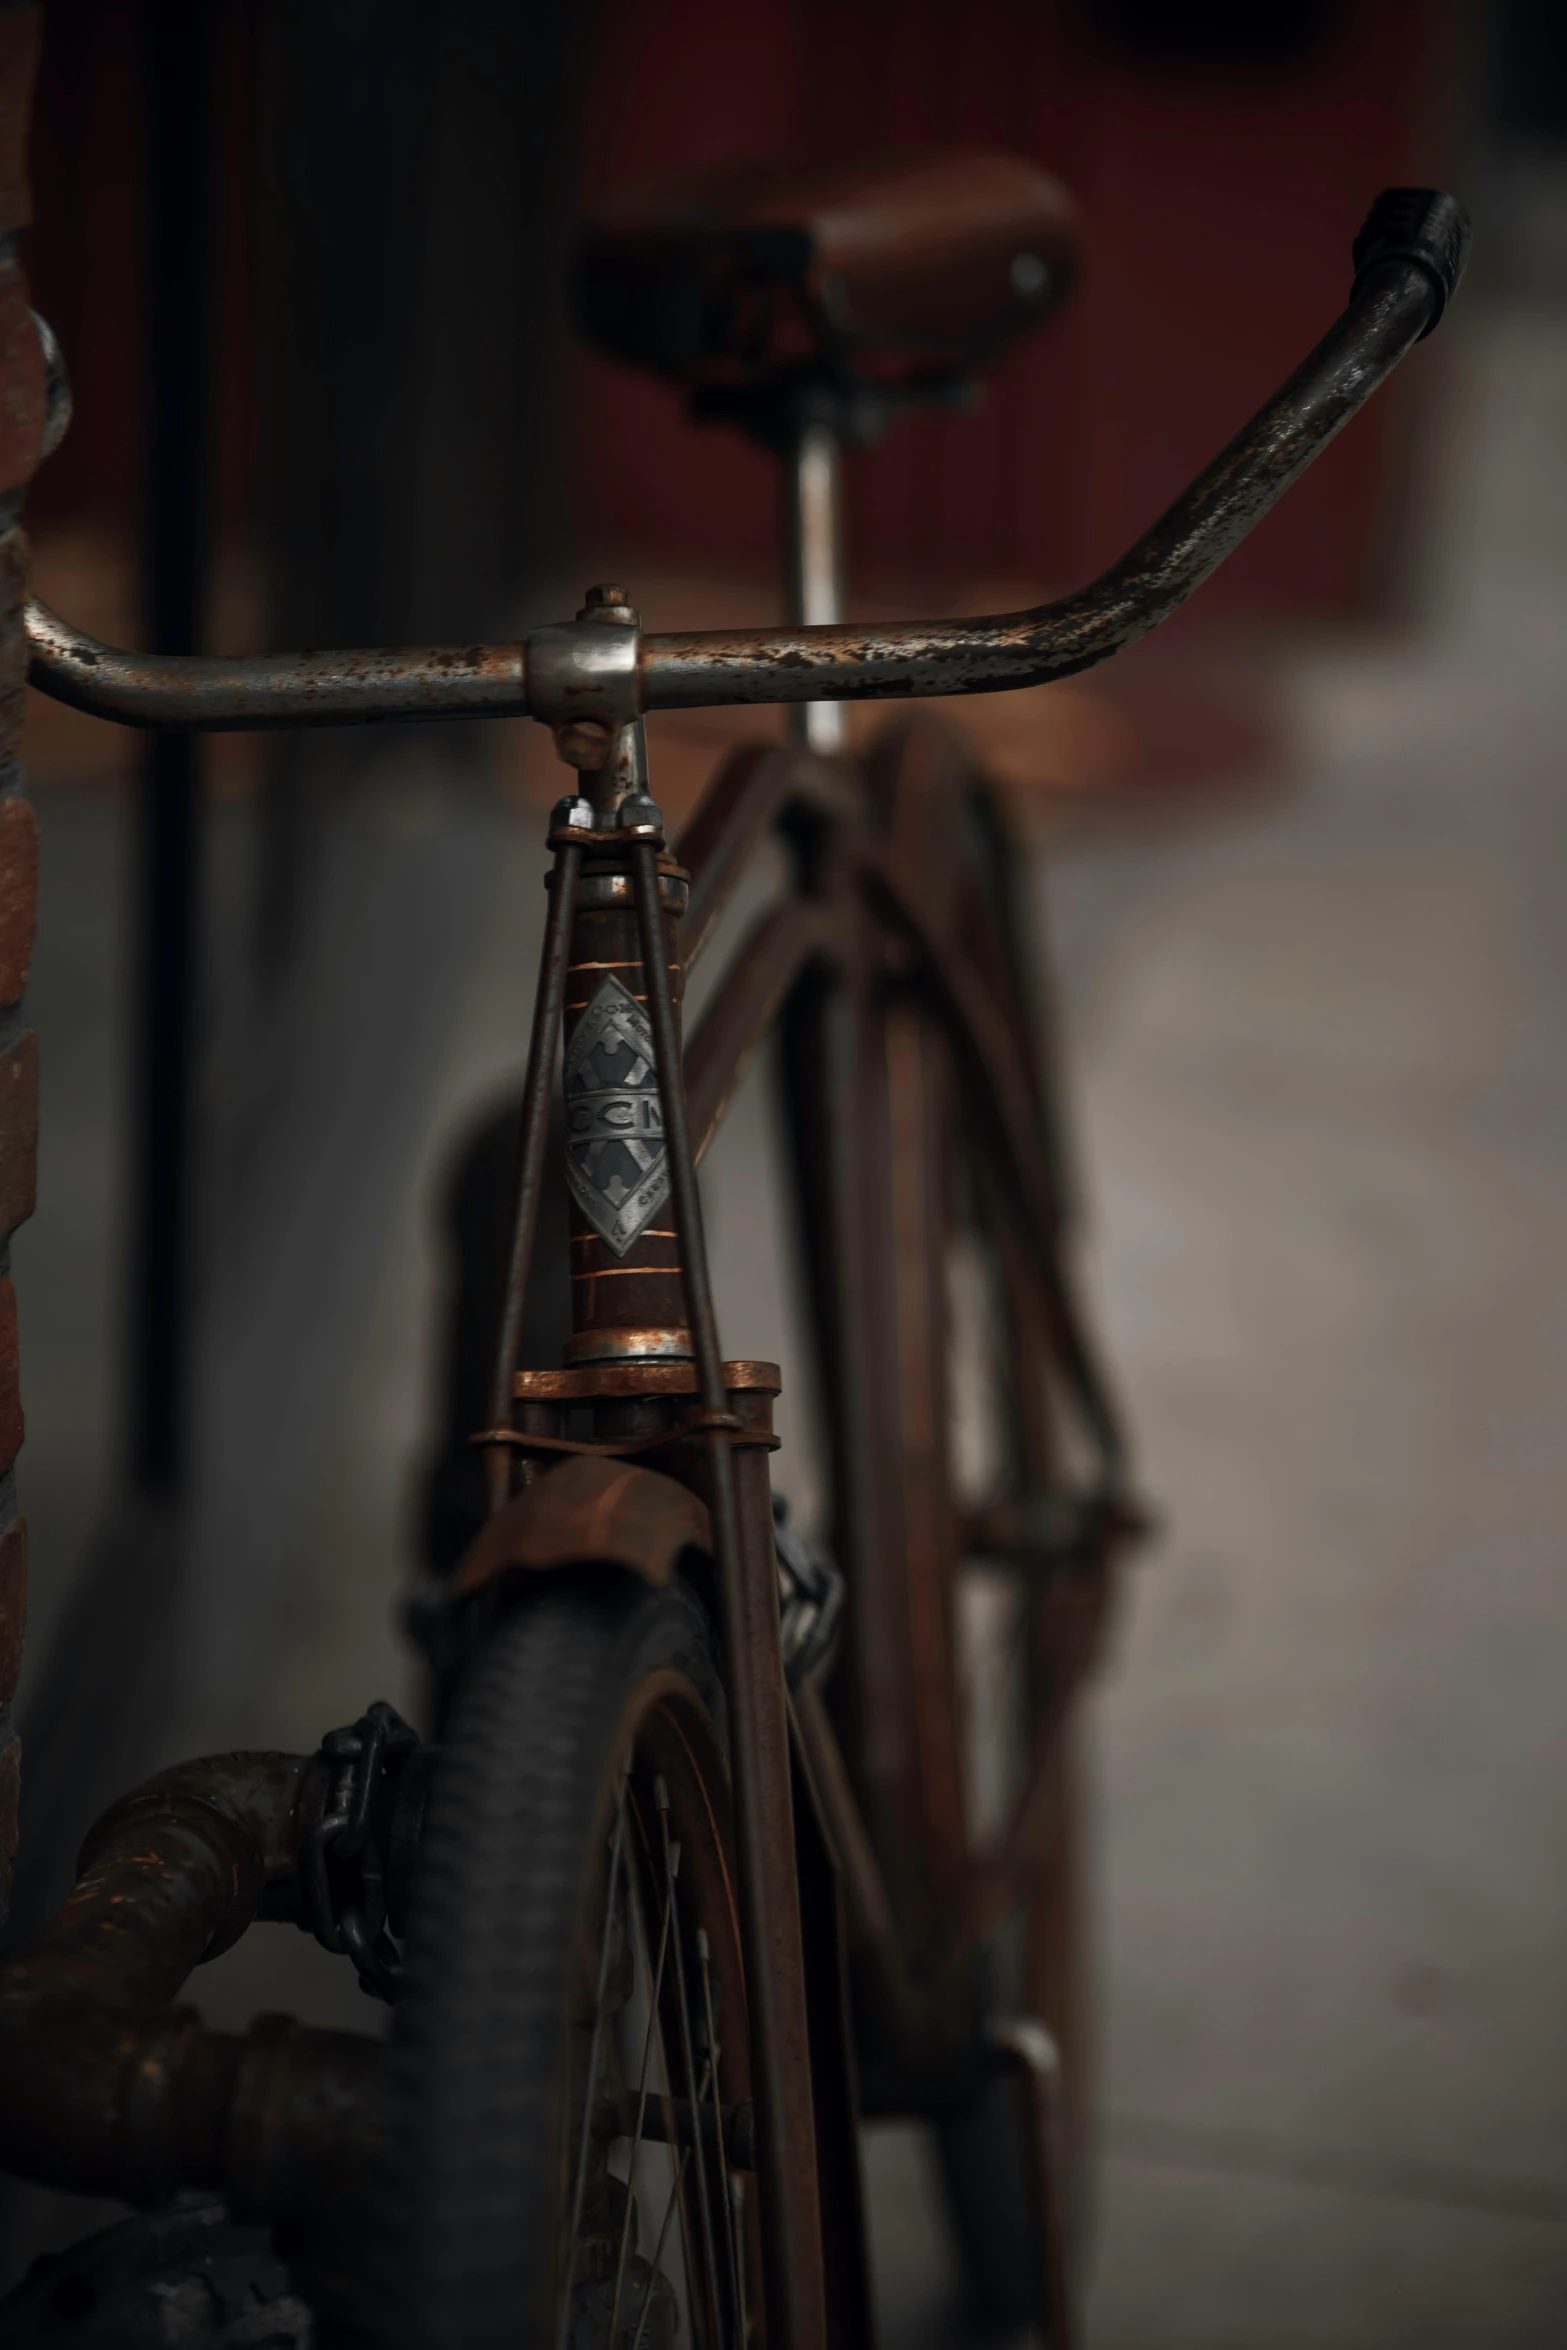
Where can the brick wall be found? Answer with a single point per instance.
(21, 436)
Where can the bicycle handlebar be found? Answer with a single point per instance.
(1409, 258)
(1079, 630)
(254, 691)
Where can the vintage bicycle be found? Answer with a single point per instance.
(696, 1872)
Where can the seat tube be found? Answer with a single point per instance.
(813, 538)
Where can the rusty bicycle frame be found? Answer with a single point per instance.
(106, 2087)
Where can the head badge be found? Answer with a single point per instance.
(616, 1164)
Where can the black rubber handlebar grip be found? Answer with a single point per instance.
(1418, 225)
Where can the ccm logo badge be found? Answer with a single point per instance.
(615, 1159)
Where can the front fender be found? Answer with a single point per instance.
(589, 1510)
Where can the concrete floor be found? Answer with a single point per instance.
(1323, 1110)
(1324, 1119)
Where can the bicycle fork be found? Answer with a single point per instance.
(644, 1343)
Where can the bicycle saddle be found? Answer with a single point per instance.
(908, 271)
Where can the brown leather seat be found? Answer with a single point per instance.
(906, 269)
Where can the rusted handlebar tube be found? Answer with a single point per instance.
(1409, 258)
(250, 694)
(107, 2088)
(996, 655)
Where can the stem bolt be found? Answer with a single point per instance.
(583, 742)
(640, 815)
(608, 603)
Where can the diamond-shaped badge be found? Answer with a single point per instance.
(615, 1159)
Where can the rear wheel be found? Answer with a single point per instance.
(569, 2095)
(992, 1430)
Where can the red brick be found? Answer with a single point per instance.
(10, 1791)
(22, 393)
(18, 894)
(19, 31)
(11, 1424)
(13, 1605)
(18, 1132)
(13, 637)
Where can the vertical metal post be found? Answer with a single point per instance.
(813, 517)
(180, 54)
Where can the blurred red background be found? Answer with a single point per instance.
(1223, 158)
(1221, 202)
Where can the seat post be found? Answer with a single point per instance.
(813, 517)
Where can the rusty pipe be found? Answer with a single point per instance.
(245, 693)
(107, 2088)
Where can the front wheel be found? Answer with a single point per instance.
(569, 2095)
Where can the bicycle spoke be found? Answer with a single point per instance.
(595, 2050)
(642, 2089)
(709, 2255)
(704, 1960)
(716, 2339)
(737, 2242)
(658, 2250)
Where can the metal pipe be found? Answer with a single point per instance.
(222, 694)
(813, 490)
(107, 2089)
